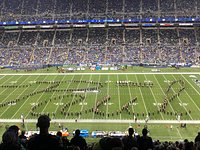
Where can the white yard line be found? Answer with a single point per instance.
(179, 100)
(163, 93)
(142, 96)
(13, 92)
(5, 89)
(118, 91)
(38, 98)
(154, 97)
(195, 90)
(85, 96)
(96, 97)
(24, 102)
(73, 97)
(53, 93)
(3, 84)
(107, 95)
(179, 133)
(189, 97)
(64, 94)
(130, 95)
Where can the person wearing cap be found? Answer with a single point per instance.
(145, 142)
(43, 140)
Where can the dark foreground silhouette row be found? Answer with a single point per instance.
(45, 141)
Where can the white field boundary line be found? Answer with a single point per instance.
(53, 93)
(97, 73)
(96, 98)
(178, 97)
(144, 104)
(194, 89)
(154, 97)
(38, 99)
(13, 92)
(179, 133)
(65, 93)
(163, 92)
(85, 97)
(118, 91)
(77, 87)
(190, 98)
(103, 121)
(108, 86)
(25, 102)
(130, 95)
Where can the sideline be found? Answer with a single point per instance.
(103, 121)
(97, 73)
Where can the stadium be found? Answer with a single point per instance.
(102, 66)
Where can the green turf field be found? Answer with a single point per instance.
(76, 96)
(106, 96)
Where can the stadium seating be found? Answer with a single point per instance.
(109, 45)
(102, 45)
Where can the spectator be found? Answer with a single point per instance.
(23, 138)
(108, 143)
(79, 141)
(197, 138)
(63, 141)
(66, 142)
(145, 142)
(129, 141)
(44, 140)
(10, 140)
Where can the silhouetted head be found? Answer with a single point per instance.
(23, 132)
(9, 137)
(144, 132)
(130, 131)
(59, 134)
(43, 122)
(77, 132)
(14, 129)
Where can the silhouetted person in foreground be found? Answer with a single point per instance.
(197, 138)
(23, 138)
(129, 141)
(10, 139)
(44, 140)
(145, 142)
(108, 143)
(79, 141)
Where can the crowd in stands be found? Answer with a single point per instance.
(107, 45)
(86, 9)
(98, 45)
(12, 140)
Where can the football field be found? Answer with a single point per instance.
(107, 101)
(110, 96)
